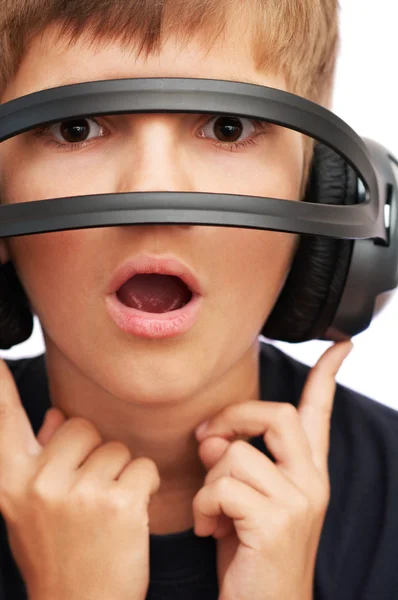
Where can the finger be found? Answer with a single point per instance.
(211, 450)
(280, 426)
(316, 402)
(248, 465)
(225, 526)
(141, 476)
(232, 498)
(53, 419)
(17, 438)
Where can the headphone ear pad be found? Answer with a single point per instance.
(310, 296)
(16, 316)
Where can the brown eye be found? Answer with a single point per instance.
(76, 131)
(228, 129)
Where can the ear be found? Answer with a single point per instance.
(4, 252)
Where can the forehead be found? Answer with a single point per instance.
(51, 62)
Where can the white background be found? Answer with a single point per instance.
(366, 96)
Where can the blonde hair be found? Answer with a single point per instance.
(298, 38)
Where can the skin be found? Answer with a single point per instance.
(267, 518)
(150, 394)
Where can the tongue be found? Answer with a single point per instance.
(154, 293)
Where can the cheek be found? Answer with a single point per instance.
(254, 266)
(51, 269)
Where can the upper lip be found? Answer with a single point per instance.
(145, 263)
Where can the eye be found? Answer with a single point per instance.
(75, 131)
(228, 128)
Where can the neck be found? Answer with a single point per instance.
(162, 430)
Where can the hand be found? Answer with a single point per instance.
(268, 517)
(75, 508)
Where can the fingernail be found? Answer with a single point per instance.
(348, 350)
(342, 356)
(202, 428)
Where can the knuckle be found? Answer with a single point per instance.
(149, 466)
(83, 426)
(119, 501)
(42, 491)
(144, 474)
(236, 449)
(223, 485)
(119, 448)
(287, 412)
(89, 498)
(84, 493)
(145, 462)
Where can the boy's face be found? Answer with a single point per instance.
(66, 273)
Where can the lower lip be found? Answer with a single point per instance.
(154, 325)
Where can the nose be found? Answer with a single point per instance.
(156, 159)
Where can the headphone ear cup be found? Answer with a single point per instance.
(311, 294)
(16, 317)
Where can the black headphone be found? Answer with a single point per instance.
(346, 265)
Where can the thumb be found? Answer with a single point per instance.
(53, 419)
(17, 438)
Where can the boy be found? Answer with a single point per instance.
(280, 531)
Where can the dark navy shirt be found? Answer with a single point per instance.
(358, 552)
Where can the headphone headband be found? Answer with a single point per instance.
(360, 221)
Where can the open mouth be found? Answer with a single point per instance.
(154, 293)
